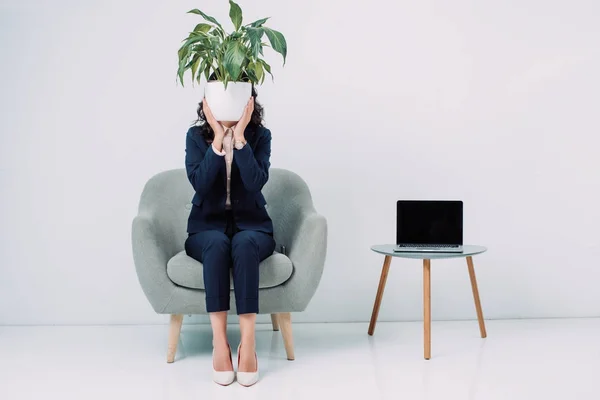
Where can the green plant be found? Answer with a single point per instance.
(231, 56)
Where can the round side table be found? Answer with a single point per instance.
(388, 251)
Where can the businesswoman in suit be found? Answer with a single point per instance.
(227, 163)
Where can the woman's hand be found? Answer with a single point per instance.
(240, 127)
(214, 124)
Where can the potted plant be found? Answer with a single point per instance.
(230, 62)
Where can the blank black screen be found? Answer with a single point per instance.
(429, 222)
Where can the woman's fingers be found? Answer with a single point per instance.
(249, 108)
(205, 106)
(207, 112)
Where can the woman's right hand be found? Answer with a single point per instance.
(214, 124)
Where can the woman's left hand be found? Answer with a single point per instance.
(240, 127)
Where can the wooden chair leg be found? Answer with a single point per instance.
(174, 331)
(476, 297)
(427, 308)
(274, 322)
(382, 280)
(285, 321)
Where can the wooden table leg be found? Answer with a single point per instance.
(476, 297)
(384, 273)
(427, 308)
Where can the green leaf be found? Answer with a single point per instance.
(201, 70)
(235, 13)
(277, 41)
(181, 70)
(218, 32)
(199, 48)
(233, 59)
(207, 70)
(215, 40)
(195, 66)
(183, 52)
(258, 70)
(206, 17)
(267, 67)
(254, 36)
(194, 39)
(225, 81)
(198, 36)
(258, 22)
(191, 62)
(202, 28)
(252, 76)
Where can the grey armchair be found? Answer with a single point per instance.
(172, 281)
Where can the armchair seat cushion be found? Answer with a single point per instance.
(185, 271)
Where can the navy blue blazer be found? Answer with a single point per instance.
(207, 173)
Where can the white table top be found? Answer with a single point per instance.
(388, 250)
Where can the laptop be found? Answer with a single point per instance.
(429, 226)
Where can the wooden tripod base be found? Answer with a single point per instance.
(426, 301)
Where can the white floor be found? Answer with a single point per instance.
(520, 359)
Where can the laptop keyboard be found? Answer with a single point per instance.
(430, 246)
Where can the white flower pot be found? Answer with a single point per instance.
(227, 104)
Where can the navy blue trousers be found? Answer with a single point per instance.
(239, 251)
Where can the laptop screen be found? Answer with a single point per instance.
(430, 222)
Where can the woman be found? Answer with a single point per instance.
(227, 163)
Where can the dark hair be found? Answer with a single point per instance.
(255, 121)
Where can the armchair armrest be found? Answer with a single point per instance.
(306, 241)
(151, 252)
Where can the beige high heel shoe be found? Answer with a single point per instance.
(246, 378)
(224, 378)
